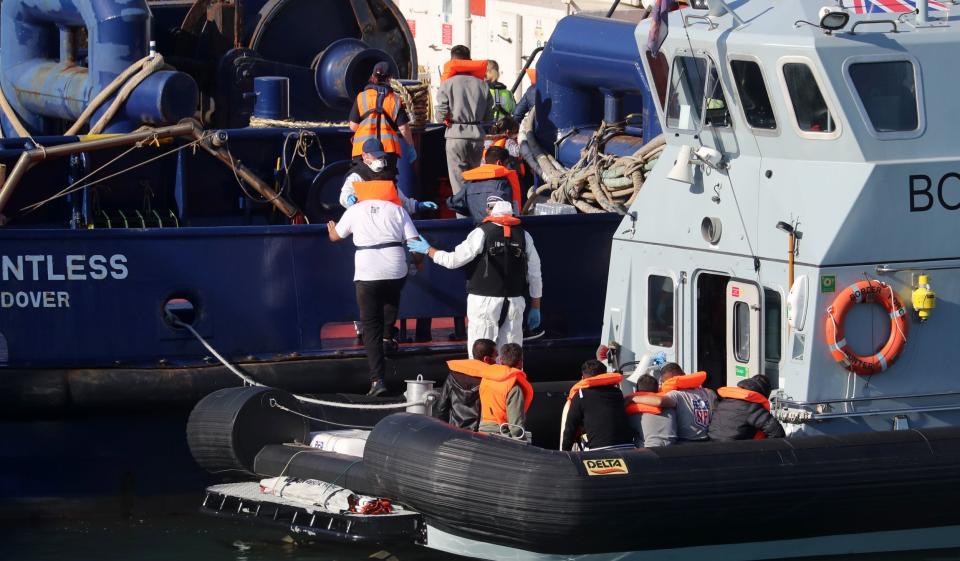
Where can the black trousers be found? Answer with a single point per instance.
(379, 302)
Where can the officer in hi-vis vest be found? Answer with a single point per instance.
(378, 113)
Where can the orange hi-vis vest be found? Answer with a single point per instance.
(598, 381)
(493, 171)
(469, 366)
(378, 119)
(496, 384)
(685, 382)
(729, 392)
(475, 68)
(638, 408)
(378, 190)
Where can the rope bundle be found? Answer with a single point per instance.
(416, 100)
(597, 182)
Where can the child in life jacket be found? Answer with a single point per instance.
(505, 394)
(652, 426)
(694, 403)
(596, 417)
(459, 402)
(744, 412)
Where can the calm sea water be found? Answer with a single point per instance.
(200, 538)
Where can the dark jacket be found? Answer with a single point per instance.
(459, 402)
(600, 416)
(526, 103)
(472, 199)
(736, 419)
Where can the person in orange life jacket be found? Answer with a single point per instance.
(491, 179)
(596, 417)
(652, 426)
(501, 263)
(505, 394)
(373, 167)
(464, 104)
(459, 402)
(685, 392)
(744, 412)
(379, 226)
(378, 113)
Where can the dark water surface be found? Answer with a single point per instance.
(195, 537)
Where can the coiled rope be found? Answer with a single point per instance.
(598, 182)
(247, 380)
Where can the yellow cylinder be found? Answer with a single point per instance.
(924, 298)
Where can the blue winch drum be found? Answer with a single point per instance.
(273, 97)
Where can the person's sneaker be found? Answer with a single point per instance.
(377, 388)
(530, 334)
(390, 346)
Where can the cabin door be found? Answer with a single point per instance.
(710, 333)
(743, 331)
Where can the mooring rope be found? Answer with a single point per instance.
(247, 380)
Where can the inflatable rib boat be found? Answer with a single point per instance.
(490, 497)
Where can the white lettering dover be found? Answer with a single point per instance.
(35, 299)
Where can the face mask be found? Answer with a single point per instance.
(377, 165)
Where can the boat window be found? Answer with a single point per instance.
(809, 106)
(772, 335)
(660, 311)
(658, 69)
(753, 94)
(741, 331)
(685, 96)
(888, 92)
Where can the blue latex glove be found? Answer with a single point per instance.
(427, 205)
(659, 359)
(351, 200)
(411, 153)
(533, 320)
(418, 246)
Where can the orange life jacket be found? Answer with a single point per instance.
(598, 381)
(505, 221)
(378, 119)
(475, 68)
(729, 392)
(378, 190)
(468, 366)
(638, 408)
(493, 171)
(496, 384)
(685, 382)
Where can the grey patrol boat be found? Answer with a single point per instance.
(800, 223)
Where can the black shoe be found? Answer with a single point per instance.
(390, 346)
(377, 388)
(531, 334)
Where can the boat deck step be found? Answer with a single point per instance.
(245, 501)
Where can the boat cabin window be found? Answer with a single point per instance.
(660, 311)
(772, 331)
(741, 331)
(809, 106)
(716, 113)
(888, 92)
(685, 96)
(752, 90)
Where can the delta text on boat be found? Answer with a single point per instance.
(808, 169)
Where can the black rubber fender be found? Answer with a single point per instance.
(227, 428)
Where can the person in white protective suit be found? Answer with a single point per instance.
(501, 263)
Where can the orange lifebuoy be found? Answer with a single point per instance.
(869, 291)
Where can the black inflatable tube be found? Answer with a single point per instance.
(309, 463)
(491, 489)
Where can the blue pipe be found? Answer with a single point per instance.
(40, 76)
(590, 71)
